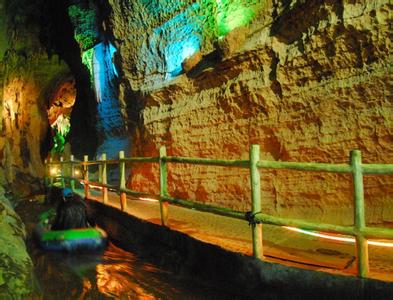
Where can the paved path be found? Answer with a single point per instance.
(280, 244)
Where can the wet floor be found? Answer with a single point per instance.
(112, 274)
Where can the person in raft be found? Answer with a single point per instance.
(71, 212)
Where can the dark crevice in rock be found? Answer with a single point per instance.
(209, 61)
(275, 85)
(296, 19)
(57, 36)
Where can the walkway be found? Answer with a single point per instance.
(280, 244)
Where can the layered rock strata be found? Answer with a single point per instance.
(308, 81)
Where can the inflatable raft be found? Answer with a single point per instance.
(85, 239)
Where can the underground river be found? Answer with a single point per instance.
(112, 274)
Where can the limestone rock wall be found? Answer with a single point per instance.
(307, 81)
(16, 267)
(27, 72)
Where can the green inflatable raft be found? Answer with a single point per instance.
(84, 239)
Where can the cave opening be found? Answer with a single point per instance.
(60, 104)
(70, 99)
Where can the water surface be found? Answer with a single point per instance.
(112, 274)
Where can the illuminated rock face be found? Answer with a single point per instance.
(110, 124)
(26, 74)
(310, 82)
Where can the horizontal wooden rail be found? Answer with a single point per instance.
(141, 159)
(377, 232)
(100, 184)
(317, 167)
(377, 169)
(64, 162)
(138, 194)
(109, 161)
(355, 168)
(90, 163)
(306, 225)
(206, 208)
(207, 161)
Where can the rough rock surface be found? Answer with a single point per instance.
(26, 74)
(16, 267)
(312, 81)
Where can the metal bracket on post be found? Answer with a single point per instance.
(122, 170)
(256, 201)
(163, 187)
(360, 220)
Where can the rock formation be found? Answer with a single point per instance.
(307, 80)
(16, 267)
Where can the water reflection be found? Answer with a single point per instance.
(121, 275)
(111, 274)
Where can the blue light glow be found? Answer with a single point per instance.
(183, 33)
(112, 51)
(110, 123)
(175, 54)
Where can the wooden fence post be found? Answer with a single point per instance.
(122, 169)
(360, 220)
(86, 176)
(62, 172)
(256, 201)
(99, 170)
(163, 187)
(104, 179)
(50, 172)
(72, 171)
(47, 170)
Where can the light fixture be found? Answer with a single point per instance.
(338, 238)
(54, 171)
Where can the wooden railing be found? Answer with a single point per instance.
(356, 168)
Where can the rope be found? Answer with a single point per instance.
(250, 217)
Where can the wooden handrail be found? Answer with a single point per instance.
(359, 230)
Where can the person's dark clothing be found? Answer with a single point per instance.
(71, 214)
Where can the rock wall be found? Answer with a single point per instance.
(26, 74)
(16, 267)
(29, 72)
(307, 81)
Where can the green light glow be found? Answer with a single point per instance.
(58, 142)
(71, 234)
(87, 60)
(233, 14)
(219, 17)
(61, 127)
(84, 21)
